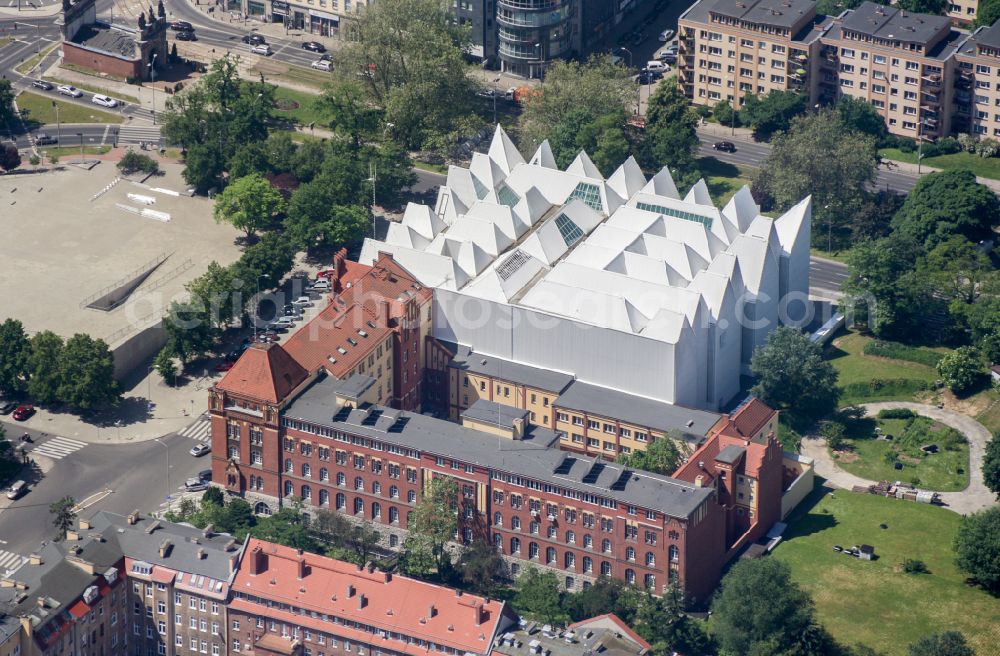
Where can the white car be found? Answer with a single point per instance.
(321, 285)
(200, 449)
(70, 91)
(303, 301)
(666, 35)
(104, 101)
(322, 65)
(195, 485)
(261, 49)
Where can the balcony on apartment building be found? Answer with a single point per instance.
(932, 80)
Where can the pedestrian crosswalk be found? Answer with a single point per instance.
(58, 447)
(200, 430)
(10, 562)
(133, 135)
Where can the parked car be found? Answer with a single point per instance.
(23, 412)
(656, 66)
(303, 301)
(314, 46)
(638, 38)
(666, 35)
(104, 101)
(41, 84)
(322, 65)
(261, 49)
(224, 366)
(68, 90)
(200, 449)
(276, 327)
(195, 485)
(325, 56)
(17, 490)
(42, 139)
(7, 407)
(254, 39)
(725, 146)
(187, 35)
(205, 475)
(181, 26)
(320, 285)
(667, 57)
(646, 77)
(267, 336)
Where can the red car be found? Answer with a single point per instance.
(224, 366)
(22, 412)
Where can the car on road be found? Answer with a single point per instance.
(254, 39)
(325, 56)
(303, 301)
(267, 336)
(195, 485)
(205, 475)
(666, 35)
(322, 65)
(23, 412)
(181, 26)
(200, 449)
(42, 84)
(42, 139)
(7, 407)
(261, 49)
(725, 146)
(314, 46)
(187, 35)
(104, 101)
(68, 90)
(17, 490)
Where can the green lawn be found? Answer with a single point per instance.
(846, 353)
(990, 417)
(304, 104)
(433, 168)
(986, 167)
(275, 72)
(837, 256)
(39, 110)
(867, 457)
(94, 88)
(70, 151)
(723, 179)
(874, 602)
(5, 40)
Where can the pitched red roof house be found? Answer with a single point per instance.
(265, 372)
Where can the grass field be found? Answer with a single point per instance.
(39, 110)
(846, 353)
(990, 417)
(837, 256)
(304, 114)
(94, 88)
(986, 167)
(70, 151)
(4, 40)
(875, 603)
(723, 179)
(433, 168)
(25, 67)
(277, 72)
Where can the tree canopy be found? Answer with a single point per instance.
(859, 115)
(991, 464)
(945, 204)
(977, 547)
(772, 112)
(987, 13)
(538, 596)
(434, 519)
(43, 363)
(6, 101)
(947, 643)
(671, 136)
(923, 6)
(14, 351)
(659, 457)
(87, 374)
(248, 204)
(793, 375)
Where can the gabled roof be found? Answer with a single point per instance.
(751, 417)
(265, 372)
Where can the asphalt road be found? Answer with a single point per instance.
(136, 474)
(826, 276)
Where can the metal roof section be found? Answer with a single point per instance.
(662, 184)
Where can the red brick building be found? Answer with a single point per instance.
(286, 602)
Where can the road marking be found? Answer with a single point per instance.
(104, 138)
(10, 562)
(58, 447)
(200, 430)
(91, 500)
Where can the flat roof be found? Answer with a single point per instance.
(533, 457)
(780, 13)
(984, 36)
(489, 365)
(633, 409)
(730, 454)
(111, 40)
(891, 23)
(498, 414)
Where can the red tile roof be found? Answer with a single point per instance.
(325, 342)
(751, 417)
(625, 628)
(735, 430)
(385, 279)
(265, 372)
(395, 603)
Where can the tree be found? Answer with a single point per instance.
(772, 112)
(671, 136)
(991, 464)
(249, 158)
(203, 167)
(596, 95)
(858, 115)
(14, 352)
(725, 114)
(960, 369)
(410, 55)
(819, 156)
(606, 595)
(987, 13)
(34, 160)
(364, 539)
(977, 547)
(10, 158)
(537, 596)
(132, 161)
(286, 527)
(350, 114)
(759, 604)
(189, 331)
(602, 138)
(957, 268)
(481, 567)
(434, 519)
(792, 374)
(87, 374)
(922, 6)
(216, 290)
(45, 374)
(947, 643)
(248, 204)
(63, 514)
(662, 622)
(945, 204)
(6, 101)
(659, 457)
(272, 257)
(314, 221)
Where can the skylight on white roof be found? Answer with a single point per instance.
(570, 231)
(506, 196)
(514, 261)
(480, 188)
(589, 194)
(678, 214)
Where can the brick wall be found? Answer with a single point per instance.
(74, 54)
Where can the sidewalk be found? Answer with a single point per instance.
(30, 12)
(911, 169)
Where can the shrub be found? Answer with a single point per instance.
(897, 351)
(896, 413)
(915, 566)
(987, 147)
(906, 145)
(833, 431)
(967, 141)
(884, 387)
(890, 457)
(132, 161)
(960, 369)
(948, 146)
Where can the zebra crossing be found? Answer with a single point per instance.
(58, 447)
(10, 562)
(200, 430)
(133, 135)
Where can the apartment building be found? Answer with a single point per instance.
(962, 11)
(289, 603)
(728, 49)
(976, 84)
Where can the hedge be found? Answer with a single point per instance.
(896, 413)
(897, 351)
(884, 387)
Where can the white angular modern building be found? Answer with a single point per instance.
(619, 282)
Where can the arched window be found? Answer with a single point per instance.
(262, 509)
(307, 493)
(306, 470)
(498, 541)
(393, 492)
(605, 568)
(675, 553)
(515, 546)
(393, 514)
(497, 519)
(359, 483)
(588, 564)
(550, 555)
(629, 553)
(650, 581)
(569, 560)
(630, 576)
(324, 474)
(376, 488)
(533, 550)
(515, 523)
(289, 467)
(341, 501)
(324, 498)
(650, 559)
(376, 510)
(606, 545)
(411, 496)
(359, 506)
(289, 489)
(588, 542)
(570, 537)
(341, 479)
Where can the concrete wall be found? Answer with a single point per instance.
(79, 56)
(802, 468)
(138, 348)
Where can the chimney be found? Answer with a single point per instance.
(201, 553)
(209, 531)
(165, 548)
(133, 517)
(41, 602)
(479, 613)
(517, 431)
(362, 601)
(35, 559)
(85, 525)
(302, 569)
(699, 481)
(350, 590)
(458, 593)
(258, 561)
(431, 612)
(72, 535)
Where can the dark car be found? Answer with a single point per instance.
(42, 139)
(41, 84)
(725, 146)
(325, 57)
(181, 26)
(7, 407)
(187, 35)
(638, 38)
(23, 412)
(647, 77)
(314, 46)
(254, 39)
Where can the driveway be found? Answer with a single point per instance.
(973, 498)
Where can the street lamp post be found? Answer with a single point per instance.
(638, 95)
(152, 80)
(373, 171)
(495, 80)
(55, 106)
(538, 58)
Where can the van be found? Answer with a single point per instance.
(17, 490)
(104, 101)
(656, 66)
